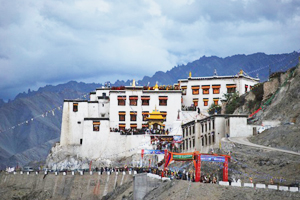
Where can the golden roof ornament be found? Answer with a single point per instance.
(241, 72)
(156, 86)
(133, 83)
(190, 74)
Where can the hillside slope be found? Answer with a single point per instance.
(280, 105)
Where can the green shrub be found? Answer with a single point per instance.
(214, 108)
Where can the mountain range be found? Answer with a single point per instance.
(30, 124)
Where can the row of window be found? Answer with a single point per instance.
(231, 88)
(188, 131)
(133, 115)
(186, 144)
(133, 100)
(205, 140)
(204, 126)
(208, 140)
(205, 101)
(132, 126)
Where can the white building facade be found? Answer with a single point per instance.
(201, 92)
(92, 126)
(205, 134)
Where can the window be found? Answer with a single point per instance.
(183, 146)
(96, 125)
(193, 129)
(122, 126)
(205, 89)
(187, 143)
(202, 140)
(163, 100)
(213, 122)
(216, 101)
(183, 88)
(195, 102)
(190, 143)
(216, 89)
(213, 137)
(205, 127)
(133, 100)
(205, 139)
(75, 107)
(121, 100)
(246, 88)
(80, 141)
(183, 132)
(132, 116)
(209, 140)
(193, 142)
(190, 130)
(231, 88)
(145, 115)
(145, 100)
(209, 125)
(122, 115)
(195, 89)
(205, 102)
(195, 92)
(164, 114)
(133, 126)
(202, 127)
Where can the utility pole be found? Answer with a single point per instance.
(269, 71)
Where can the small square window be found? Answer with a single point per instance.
(132, 117)
(75, 107)
(195, 91)
(121, 102)
(206, 91)
(96, 125)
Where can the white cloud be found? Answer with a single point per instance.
(57, 41)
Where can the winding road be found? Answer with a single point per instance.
(245, 141)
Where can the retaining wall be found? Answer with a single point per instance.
(67, 186)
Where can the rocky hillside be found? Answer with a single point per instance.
(277, 102)
(30, 124)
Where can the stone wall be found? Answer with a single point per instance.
(95, 186)
(270, 87)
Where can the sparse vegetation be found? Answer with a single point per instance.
(233, 102)
(214, 108)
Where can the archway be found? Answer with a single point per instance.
(197, 157)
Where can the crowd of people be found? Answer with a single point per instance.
(135, 131)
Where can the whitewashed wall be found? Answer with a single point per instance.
(72, 122)
(238, 127)
(105, 144)
(217, 80)
(173, 105)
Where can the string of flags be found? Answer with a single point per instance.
(278, 61)
(42, 115)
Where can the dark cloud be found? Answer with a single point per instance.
(47, 42)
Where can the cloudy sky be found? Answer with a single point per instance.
(51, 41)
